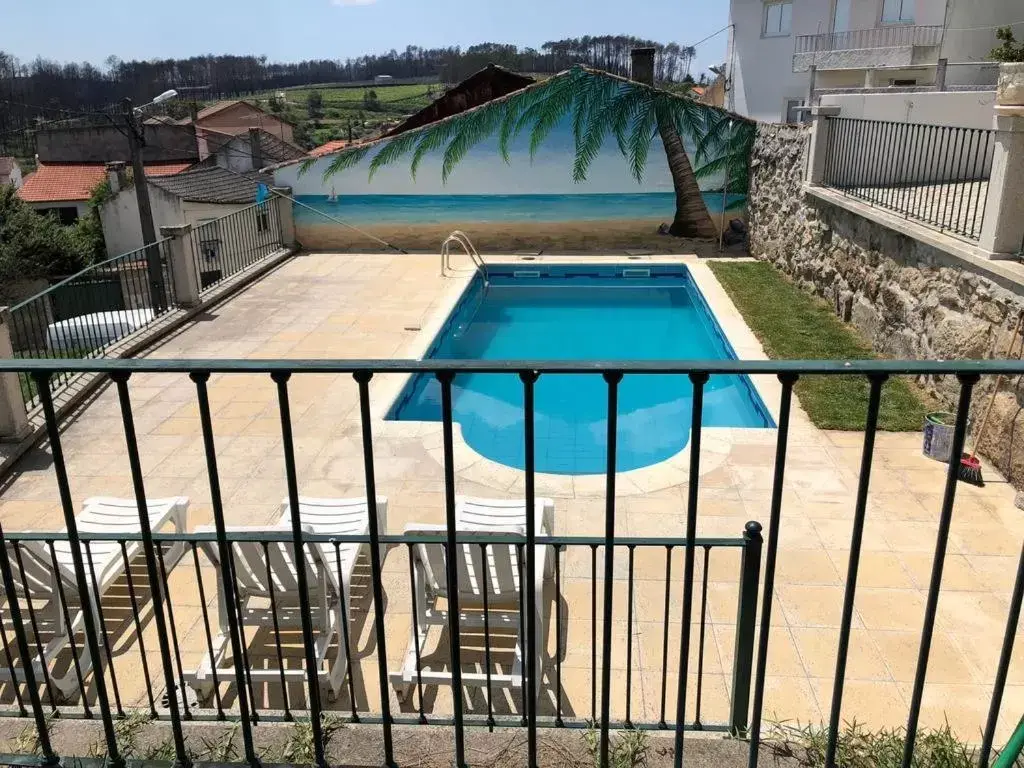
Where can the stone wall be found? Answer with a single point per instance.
(909, 299)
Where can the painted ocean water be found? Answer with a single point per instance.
(423, 209)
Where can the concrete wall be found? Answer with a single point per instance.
(14, 177)
(908, 299)
(968, 109)
(122, 231)
(102, 144)
(762, 73)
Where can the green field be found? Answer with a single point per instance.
(367, 108)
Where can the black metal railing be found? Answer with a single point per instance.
(93, 310)
(935, 174)
(891, 36)
(224, 247)
(30, 689)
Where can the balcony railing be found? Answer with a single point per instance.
(96, 309)
(538, 556)
(893, 36)
(935, 174)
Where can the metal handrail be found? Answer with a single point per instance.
(872, 37)
(460, 237)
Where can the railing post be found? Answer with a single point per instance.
(818, 151)
(746, 629)
(13, 421)
(286, 215)
(940, 74)
(1002, 228)
(183, 264)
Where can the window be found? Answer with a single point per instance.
(778, 19)
(262, 219)
(66, 215)
(897, 11)
(791, 114)
(209, 238)
(902, 82)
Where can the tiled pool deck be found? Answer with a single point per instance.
(355, 306)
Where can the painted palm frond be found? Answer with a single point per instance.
(478, 127)
(348, 158)
(393, 150)
(642, 133)
(307, 165)
(716, 140)
(432, 140)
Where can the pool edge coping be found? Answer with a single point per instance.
(472, 466)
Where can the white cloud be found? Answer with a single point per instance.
(353, 2)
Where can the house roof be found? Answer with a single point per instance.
(66, 182)
(331, 146)
(489, 83)
(220, 106)
(276, 150)
(213, 185)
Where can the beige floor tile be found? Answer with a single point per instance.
(805, 566)
(946, 661)
(876, 569)
(898, 609)
(872, 703)
(818, 650)
(790, 699)
(783, 658)
(963, 706)
(812, 606)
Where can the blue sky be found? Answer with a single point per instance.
(303, 29)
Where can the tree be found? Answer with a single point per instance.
(370, 101)
(314, 105)
(34, 246)
(1008, 50)
(599, 106)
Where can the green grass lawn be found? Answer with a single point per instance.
(793, 325)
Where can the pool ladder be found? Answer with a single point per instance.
(462, 240)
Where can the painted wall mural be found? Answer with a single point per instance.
(581, 161)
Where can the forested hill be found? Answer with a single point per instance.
(45, 89)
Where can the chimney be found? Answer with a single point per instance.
(254, 148)
(643, 65)
(116, 176)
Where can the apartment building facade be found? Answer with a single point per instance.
(781, 50)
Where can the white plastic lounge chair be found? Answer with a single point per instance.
(500, 576)
(99, 515)
(326, 589)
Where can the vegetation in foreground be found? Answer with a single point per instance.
(860, 747)
(793, 325)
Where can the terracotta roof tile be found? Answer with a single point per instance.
(75, 181)
(330, 146)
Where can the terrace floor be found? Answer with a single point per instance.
(363, 306)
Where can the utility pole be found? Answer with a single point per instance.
(154, 267)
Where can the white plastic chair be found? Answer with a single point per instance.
(500, 576)
(100, 515)
(326, 588)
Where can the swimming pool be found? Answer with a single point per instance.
(581, 313)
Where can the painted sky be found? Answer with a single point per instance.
(484, 172)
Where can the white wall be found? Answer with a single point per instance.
(762, 67)
(966, 109)
(122, 231)
(14, 178)
(762, 76)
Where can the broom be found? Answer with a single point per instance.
(970, 467)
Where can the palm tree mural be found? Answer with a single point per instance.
(600, 106)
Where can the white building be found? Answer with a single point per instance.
(776, 47)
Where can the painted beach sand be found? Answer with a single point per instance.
(508, 223)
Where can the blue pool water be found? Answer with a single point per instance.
(421, 209)
(582, 313)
